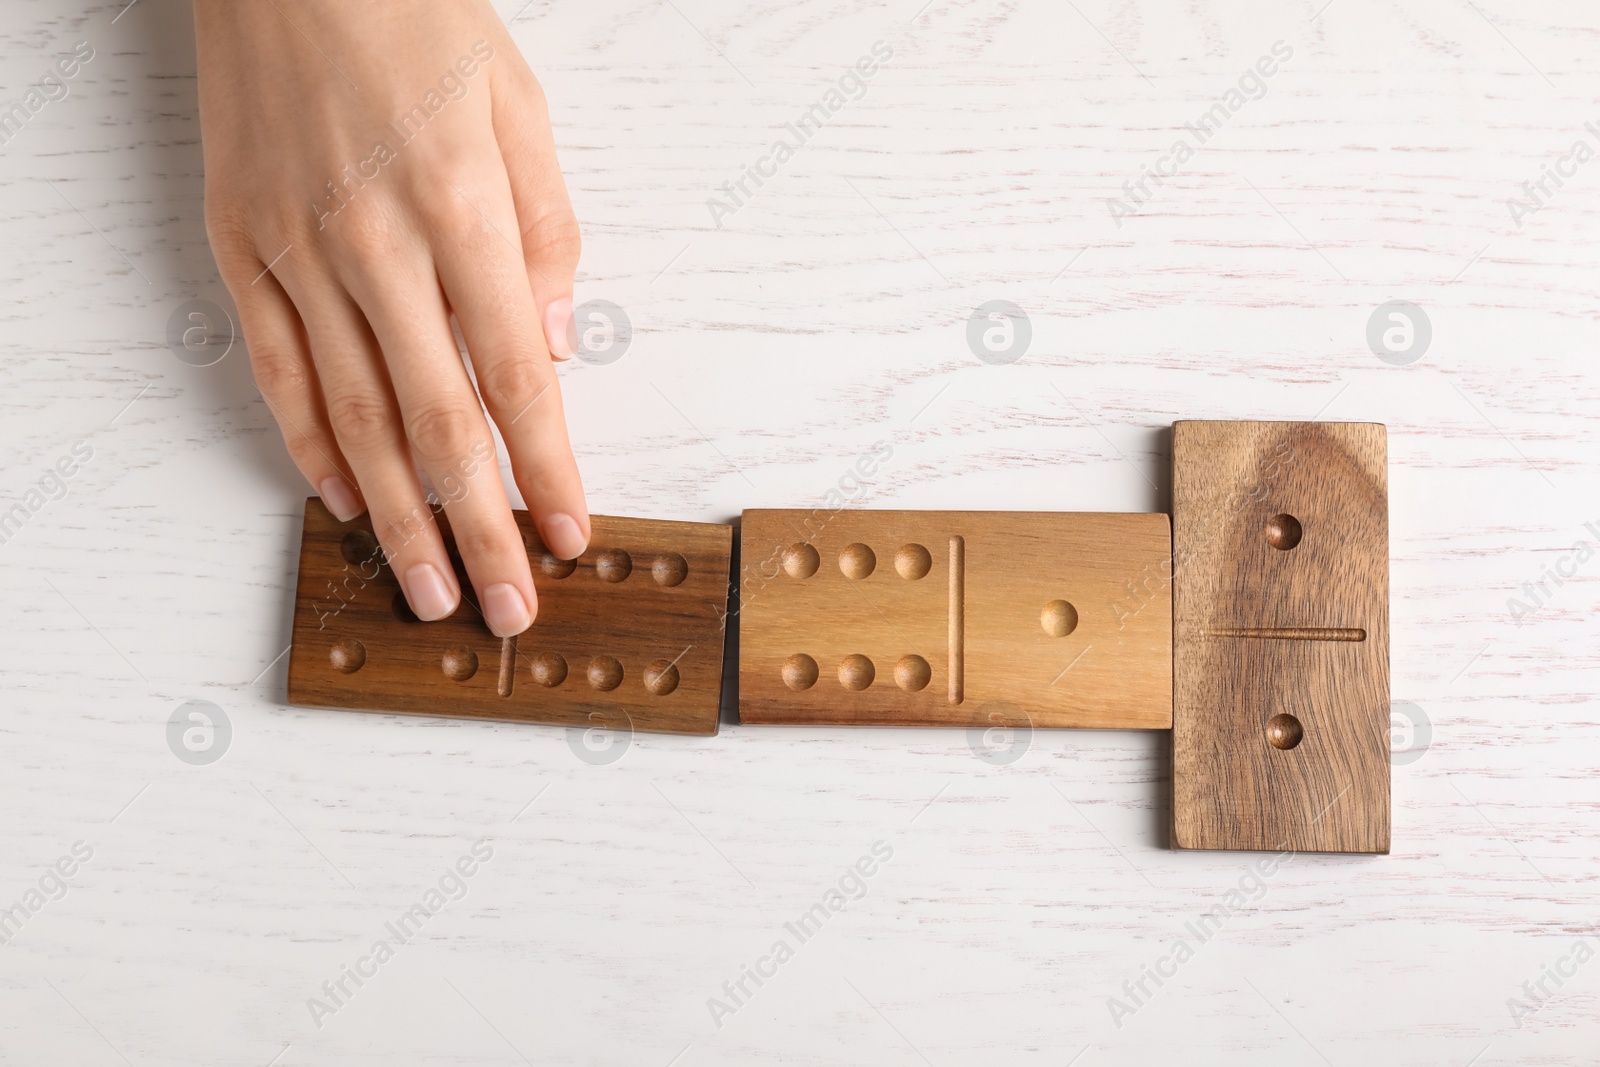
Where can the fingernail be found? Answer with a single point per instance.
(504, 610)
(428, 594)
(558, 328)
(341, 498)
(563, 536)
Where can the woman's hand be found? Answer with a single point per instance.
(370, 169)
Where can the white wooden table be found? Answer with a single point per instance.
(827, 313)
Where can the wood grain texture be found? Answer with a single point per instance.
(1280, 534)
(628, 636)
(940, 618)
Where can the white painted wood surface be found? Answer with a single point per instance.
(828, 314)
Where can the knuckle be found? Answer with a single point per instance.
(366, 236)
(532, 99)
(359, 418)
(401, 528)
(232, 236)
(510, 384)
(305, 452)
(227, 223)
(554, 238)
(444, 432)
(279, 372)
(478, 543)
(446, 198)
(533, 91)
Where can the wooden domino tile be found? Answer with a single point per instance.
(1281, 609)
(955, 618)
(628, 635)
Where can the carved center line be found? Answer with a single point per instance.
(958, 575)
(1291, 633)
(508, 664)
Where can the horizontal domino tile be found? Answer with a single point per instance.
(630, 633)
(955, 618)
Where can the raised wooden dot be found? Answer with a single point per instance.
(613, 565)
(549, 669)
(557, 567)
(856, 672)
(459, 664)
(661, 677)
(1284, 731)
(358, 547)
(1058, 618)
(347, 655)
(669, 569)
(1283, 533)
(913, 562)
(800, 671)
(401, 609)
(912, 674)
(605, 673)
(857, 561)
(800, 561)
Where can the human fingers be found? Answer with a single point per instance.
(366, 422)
(280, 358)
(482, 275)
(398, 291)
